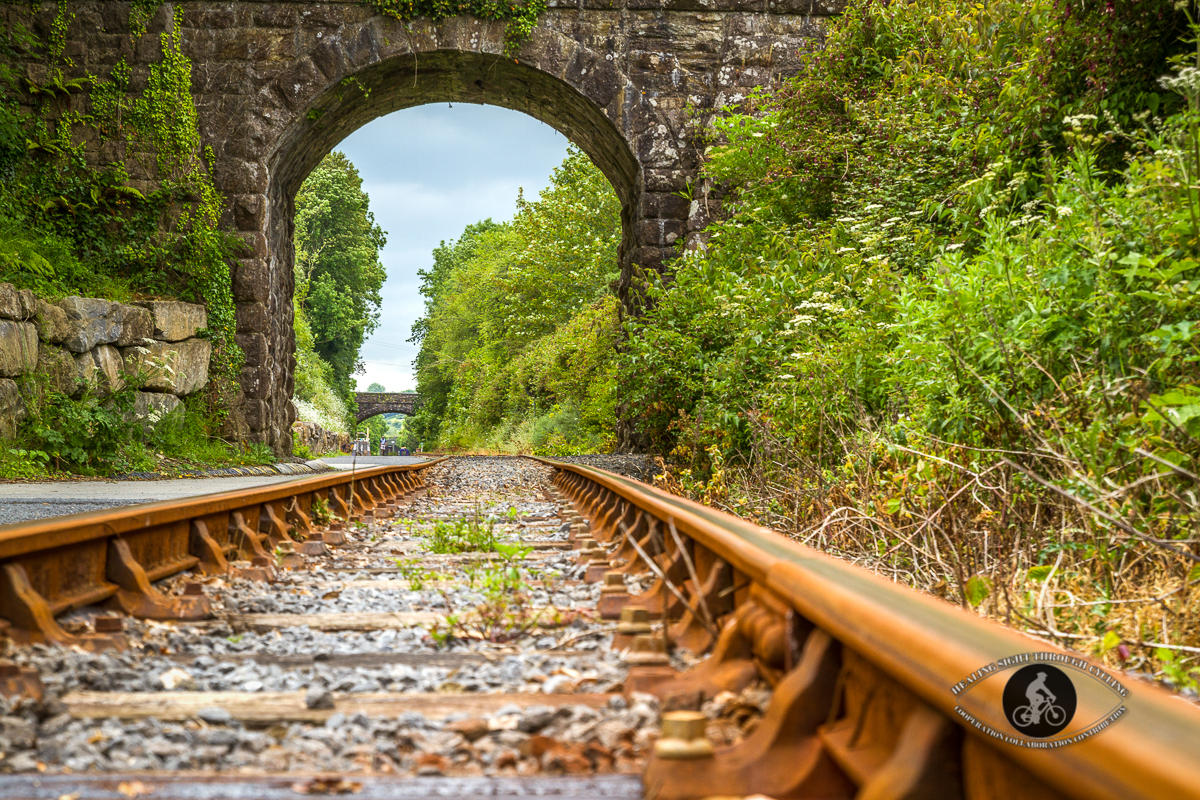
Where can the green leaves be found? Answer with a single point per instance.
(338, 273)
(513, 552)
(17, 463)
(1039, 573)
(521, 15)
(464, 535)
(977, 590)
(92, 434)
(1178, 409)
(517, 342)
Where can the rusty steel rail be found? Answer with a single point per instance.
(863, 671)
(55, 565)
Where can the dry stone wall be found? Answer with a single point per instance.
(84, 343)
(319, 441)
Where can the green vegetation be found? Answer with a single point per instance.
(144, 225)
(463, 535)
(517, 343)
(520, 16)
(416, 574)
(338, 274)
(67, 227)
(320, 511)
(338, 280)
(505, 613)
(98, 434)
(948, 326)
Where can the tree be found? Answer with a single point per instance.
(376, 387)
(433, 385)
(338, 272)
(568, 241)
(520, 321)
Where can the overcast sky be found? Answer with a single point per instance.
(431, 171)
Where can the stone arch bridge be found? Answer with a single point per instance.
(372, 404)
(279, 84)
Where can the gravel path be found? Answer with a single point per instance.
(544, 695)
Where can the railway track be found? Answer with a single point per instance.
(516, 626)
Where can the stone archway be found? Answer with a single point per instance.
(402, 81)
(283, 83)
(372, 404)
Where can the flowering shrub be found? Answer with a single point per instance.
(327, 411)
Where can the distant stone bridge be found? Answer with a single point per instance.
(634, 83)
(372, 404)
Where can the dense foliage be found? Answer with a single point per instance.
(517, 344)
(948, 325)
(338, 273)
(338, 282)
(67, 227)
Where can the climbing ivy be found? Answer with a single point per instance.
(58, 33)
(165, 117)
(70, 227)
(140, 15)
(521, 17)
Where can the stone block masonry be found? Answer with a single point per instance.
(84, 343)
(318, 440)
(635, 83)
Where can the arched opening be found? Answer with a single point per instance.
(403, 82)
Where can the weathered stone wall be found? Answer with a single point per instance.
(279, 84)
(318, 440)
(82, 342)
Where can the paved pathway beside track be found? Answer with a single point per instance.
(25, 501)
(347, 462)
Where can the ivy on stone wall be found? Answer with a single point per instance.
(165, 117)
(156, 236)
(140, 15)
(521, 17)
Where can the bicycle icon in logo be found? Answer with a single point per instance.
(1039, 700)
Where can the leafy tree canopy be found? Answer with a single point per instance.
(338, 272)
(510, 306)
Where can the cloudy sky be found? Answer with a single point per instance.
(431, 171)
